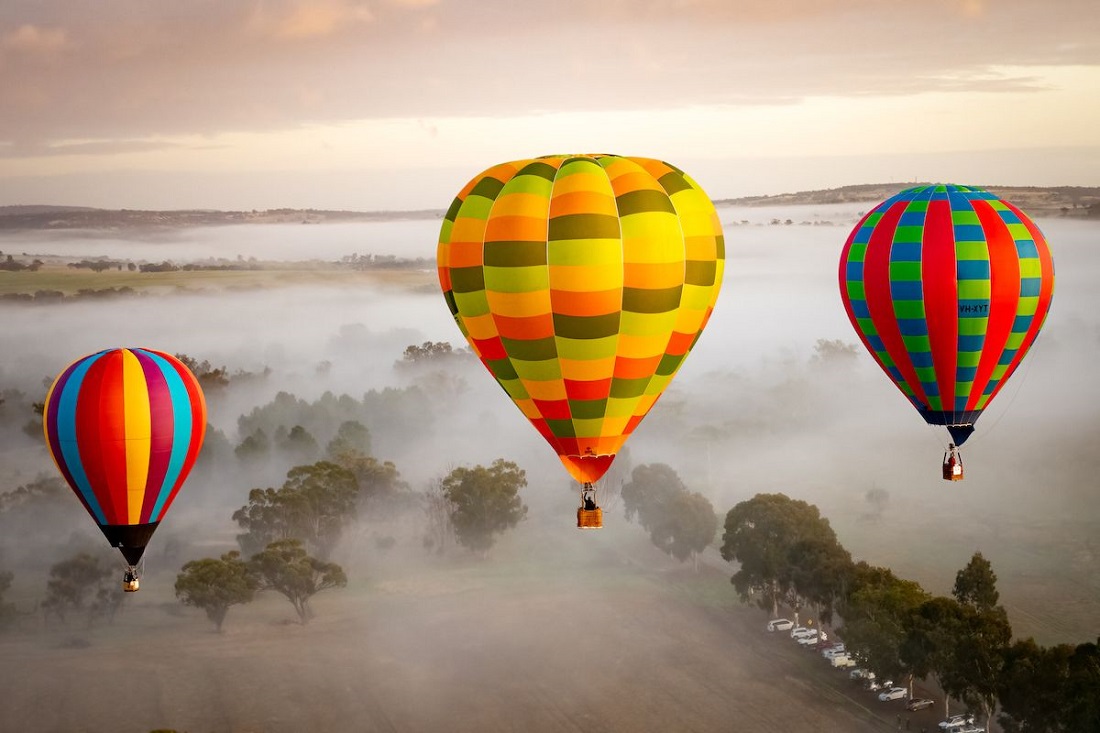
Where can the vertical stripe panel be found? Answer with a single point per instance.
(101, 432)
(173, 436)
(136, 433)
(876, 282)
(1004, 270)
(941, 300)
(61, 413)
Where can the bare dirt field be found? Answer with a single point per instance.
(602, 635)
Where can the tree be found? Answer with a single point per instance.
(876, 616)
(652, 487)
(429, 351)
(210, 377)
(75, 585)
(1032, 688)
(298, 444)
(314, 505)
(687, 527)
(352, 438)
(1082, 709)
(216, 584)
(759, 534)
(256, 445)
(286, 568)
(680, 523)
(979, 656)
(929, 644)
(484, 502)
(820, 573)
(382, 492)
(439, 530)
(963, 647)
(976, 584)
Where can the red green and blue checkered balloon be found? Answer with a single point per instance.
(947, 286)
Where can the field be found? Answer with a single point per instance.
(71, 281)
(565, 631)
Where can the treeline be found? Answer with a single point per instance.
(789, 555)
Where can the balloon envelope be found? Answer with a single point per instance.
(125, 427)
(947, 286)
(582, 282)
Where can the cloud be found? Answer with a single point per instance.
(35, 40)
(184, 69)
(308, 20)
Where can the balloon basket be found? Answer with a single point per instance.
(953, 473)
(589, 518)
(130, 581)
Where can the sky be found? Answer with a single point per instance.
(395, 104)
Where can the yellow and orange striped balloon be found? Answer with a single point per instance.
(582, 282)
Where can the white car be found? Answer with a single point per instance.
(807, 639)
(842, 660)
(894, 693)
(800, 631)
(956, 723)
(836, 651)
(972, 729)
(780, 624)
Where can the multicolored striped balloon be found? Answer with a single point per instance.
(948, 287)
(582, 282)
(125, 427)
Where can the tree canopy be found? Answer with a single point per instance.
(285, 567)
(314, 505)
(216, 584)
(484, 502)
(760, 534)
(681, 523)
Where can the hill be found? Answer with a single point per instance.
(1076, 201)
(1071, 201)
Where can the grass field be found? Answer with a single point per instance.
(71, 281)
(553, 631)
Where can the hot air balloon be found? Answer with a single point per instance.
(124, 427)
(582, 282)
(947, 286)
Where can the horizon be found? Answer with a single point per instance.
(761, 200)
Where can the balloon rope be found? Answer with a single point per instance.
(1019, 383)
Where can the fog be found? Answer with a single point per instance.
(408, 238)
(759, 406)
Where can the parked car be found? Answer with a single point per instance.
(810, 639)
(875, 686)
(956, 723)
(893, 693)
(919, 703)
(780, 624)
(972, 729)
(799, 631)
(861, 674)
(842, 660)
(833, 650)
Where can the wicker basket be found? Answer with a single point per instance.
(589, 518)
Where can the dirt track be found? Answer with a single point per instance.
(624, 641)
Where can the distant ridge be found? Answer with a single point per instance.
(74, 217)
(1082, 201)
(1063, 201)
